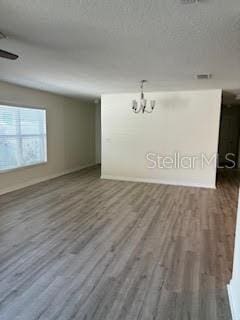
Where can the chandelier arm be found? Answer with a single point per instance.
(148, 111)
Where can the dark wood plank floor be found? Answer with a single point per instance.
(78, 247)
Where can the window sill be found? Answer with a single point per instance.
(24, 167)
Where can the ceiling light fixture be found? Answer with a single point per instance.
(5, 54)
(142, 105)
(2, 36)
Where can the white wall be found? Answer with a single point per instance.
(71, 135)
(98, 133)
(185, 122)
(234, 287)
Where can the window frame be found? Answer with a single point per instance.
(7, 104)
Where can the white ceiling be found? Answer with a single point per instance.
(84, 48)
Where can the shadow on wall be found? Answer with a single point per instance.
(175, 102)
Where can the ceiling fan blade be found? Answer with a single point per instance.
(8, 55)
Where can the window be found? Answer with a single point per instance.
(22, 137)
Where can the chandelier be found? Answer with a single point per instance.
(142, 106)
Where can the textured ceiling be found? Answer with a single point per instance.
(89, 47)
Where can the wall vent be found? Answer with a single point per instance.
(204, 76)
(189, 1)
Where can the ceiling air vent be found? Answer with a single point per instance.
(189, 1)
(204, 76)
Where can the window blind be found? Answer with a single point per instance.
(22, 137)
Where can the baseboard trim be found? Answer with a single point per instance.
(46, 178)
(156, 181)
(233, 305)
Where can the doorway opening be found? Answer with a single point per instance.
(229, 138)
